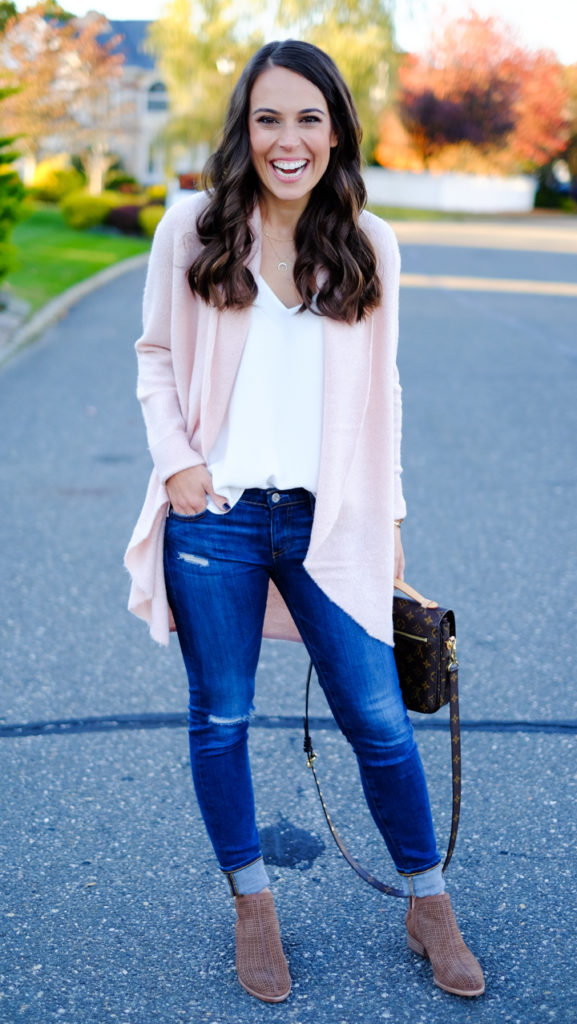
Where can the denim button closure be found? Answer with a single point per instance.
(275, 497)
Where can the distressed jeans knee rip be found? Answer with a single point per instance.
(221, 720)
(228, 715)
(186, 556)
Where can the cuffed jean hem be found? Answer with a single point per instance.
(425, 883)
(251, 878)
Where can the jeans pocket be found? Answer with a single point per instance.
(193, 518)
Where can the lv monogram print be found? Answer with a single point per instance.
(423, 654)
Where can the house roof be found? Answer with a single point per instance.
(132, 46)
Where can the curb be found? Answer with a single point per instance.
(59, 306)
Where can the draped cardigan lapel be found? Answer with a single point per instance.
(344, 464)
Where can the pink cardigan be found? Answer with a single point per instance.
(188, 356)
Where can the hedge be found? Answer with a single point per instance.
(81, 210)
(149, 218)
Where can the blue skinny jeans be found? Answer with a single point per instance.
(217, 570)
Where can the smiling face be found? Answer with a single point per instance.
(291, 136)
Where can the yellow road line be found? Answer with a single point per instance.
(526, 237)
(488, 284)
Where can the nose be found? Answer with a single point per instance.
(288, 136)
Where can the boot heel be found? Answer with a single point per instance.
(415, 945)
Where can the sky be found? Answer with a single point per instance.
(547, 25)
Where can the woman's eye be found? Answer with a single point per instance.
(269, 119)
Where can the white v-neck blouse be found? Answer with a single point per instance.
(271, 436)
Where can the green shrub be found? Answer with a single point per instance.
(550, 195)
(81, 210)
(550, 199)
(547, 198)
(116, 180)
(60, 184)
(8, 258)
(148, 218)
(56, 178)
(131, 199)
(11, 196)
(157, 192)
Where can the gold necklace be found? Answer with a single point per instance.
(283, 265)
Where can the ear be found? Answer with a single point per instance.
(334, 139)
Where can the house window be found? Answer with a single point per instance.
(157, 97)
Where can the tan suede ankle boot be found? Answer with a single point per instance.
(260, 961)
(433, 932)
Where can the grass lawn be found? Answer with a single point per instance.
(52, 256)
(407, 213)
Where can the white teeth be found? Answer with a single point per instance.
(289, 165)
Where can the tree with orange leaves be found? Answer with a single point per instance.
(62, 79)
(541, 112)
(479, 89)
(33, 49)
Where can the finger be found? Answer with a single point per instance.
(219, 499)
(206, 479)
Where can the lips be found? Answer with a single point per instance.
(288, 169)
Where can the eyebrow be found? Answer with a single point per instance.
(305, 110)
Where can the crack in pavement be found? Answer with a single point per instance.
(118, 723)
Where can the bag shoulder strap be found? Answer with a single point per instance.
(455, 732)
(411, 592)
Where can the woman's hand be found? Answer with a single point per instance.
(188, 490)
(399, 554)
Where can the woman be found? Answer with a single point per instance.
(269, 387)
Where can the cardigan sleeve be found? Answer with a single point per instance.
(399, 506)
(389, 257)
(156, 386)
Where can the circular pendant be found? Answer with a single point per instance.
(282, 265)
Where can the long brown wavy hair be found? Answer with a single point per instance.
(327, 237)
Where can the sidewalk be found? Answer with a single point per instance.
(13, 313)
(530, 233)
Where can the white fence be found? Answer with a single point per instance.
(463, 193)
(454, 193)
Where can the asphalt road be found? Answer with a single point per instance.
(112, 910)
